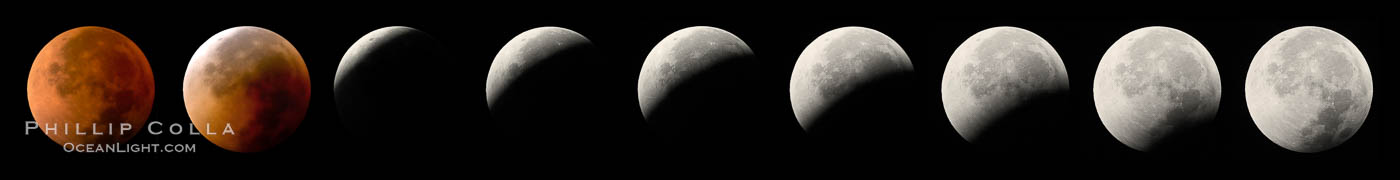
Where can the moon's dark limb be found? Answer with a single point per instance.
(1308, 89)
(391, 76)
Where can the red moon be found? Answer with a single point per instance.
(93, 79)
(248, 80)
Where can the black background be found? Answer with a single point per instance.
(473, 39)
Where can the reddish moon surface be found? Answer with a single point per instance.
(248, 80)
(90, 80)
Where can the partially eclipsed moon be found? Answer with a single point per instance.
(544, 84)
(248, 80)
(837, 63)
(1309, 89)
(382, 79)
(524, 52)
(1153, 84)
(695, 86)
(683, 55)
(995, 71)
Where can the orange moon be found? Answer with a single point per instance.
(248, 80)
(94, 79)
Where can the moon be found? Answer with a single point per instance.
(995, 72)
(1309, 89)
(549, 85)
(248, 80)
(95, 79)
(373, 79)
(1153, 85)
(696, 79)
(838, 63)
(682, 55)
(524, 52)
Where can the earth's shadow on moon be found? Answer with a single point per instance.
(880, 114)
(1030, 126)
(399, 82)
(1198, 141)
(1189, 141)
(574, 98)
(718, 107)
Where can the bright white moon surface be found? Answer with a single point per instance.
(681, 56)
(838, 62)
(1153, 84)
(523, 53)
(994, 72)
(1308, 89)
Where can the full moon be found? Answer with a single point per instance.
(1308, 89)
(94, 79)
(838, 63)
(248, 80)
(1154, 84)
(995, 72)
(695, 81)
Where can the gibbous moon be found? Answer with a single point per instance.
(248, 80)
(1154, 84)
(1309, 89)
(382, 78)
(995, 72)
(93, 79)
(838, 63)
(695, 83)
